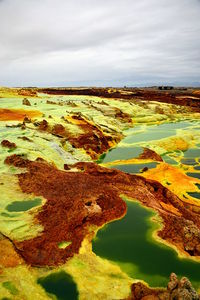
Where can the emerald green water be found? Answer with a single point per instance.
(128, 242)
(61, 285)
(130, 147)
(194, 194)
(23, 205)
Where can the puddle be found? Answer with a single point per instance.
(23, 205)
(61, 285)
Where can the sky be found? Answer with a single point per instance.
(99, 42)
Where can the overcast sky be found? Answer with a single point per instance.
(99, 42)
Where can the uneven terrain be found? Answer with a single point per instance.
(56, 191)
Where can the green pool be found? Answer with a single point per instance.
(61, 285)
(128, 242)
(18, 206)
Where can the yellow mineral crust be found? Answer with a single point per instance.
(126, 162)
(20, 283)
(174, 143)
(175, 180)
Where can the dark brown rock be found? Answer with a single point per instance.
(26, 102)
(10, 145)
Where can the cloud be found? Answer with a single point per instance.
(92, 42)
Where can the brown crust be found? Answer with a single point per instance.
(150, 154)
(10, 145)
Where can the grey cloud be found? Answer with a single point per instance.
(92, 42)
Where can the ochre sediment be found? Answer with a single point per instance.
(8, 256)
(17, 114)
(90, 196)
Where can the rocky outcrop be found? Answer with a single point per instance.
(150, 154)
(92, 140)
(10, 145)
(29, 92)
(176, 290)
(25, 101)
(191, 235)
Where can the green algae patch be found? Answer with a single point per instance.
(10, 287)
(98, 278)
(61, 285)
(139, 254)
(64, 244)
(23, 205)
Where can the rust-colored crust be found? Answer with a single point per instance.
(150, 154)
(8, 144)
(8, 256)
(91, 196)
